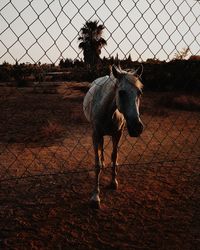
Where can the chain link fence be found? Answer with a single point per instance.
(47, 31)
(46, 153)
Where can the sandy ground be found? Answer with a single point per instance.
(46, 144)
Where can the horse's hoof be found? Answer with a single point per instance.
(114, 185)
(103, 165)
(95, 201)
(95, 204)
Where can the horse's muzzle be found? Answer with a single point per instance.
(135, 128)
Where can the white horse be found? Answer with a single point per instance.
(111, 102)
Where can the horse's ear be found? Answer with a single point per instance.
(116, 72)
(139, 71)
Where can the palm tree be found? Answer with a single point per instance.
(91, 41)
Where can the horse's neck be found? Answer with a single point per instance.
(103, 91)
(112, 106)
(109, 102)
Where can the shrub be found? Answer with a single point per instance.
(52, 129)
(182, 102)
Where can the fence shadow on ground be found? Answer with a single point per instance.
(156, 207)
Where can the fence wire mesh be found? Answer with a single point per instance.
(45, 136)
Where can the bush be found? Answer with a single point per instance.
(182, 102)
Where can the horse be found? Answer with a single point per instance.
(110, 103)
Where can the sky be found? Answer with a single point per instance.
(47, 30)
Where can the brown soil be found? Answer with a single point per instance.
(45, 143)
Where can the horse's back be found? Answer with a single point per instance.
(99, 81)
(98, 88)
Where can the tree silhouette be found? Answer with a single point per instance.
(91, 41)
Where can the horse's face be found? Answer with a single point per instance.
(128, 100)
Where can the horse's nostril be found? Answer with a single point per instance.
(135, 128)
(140, 126)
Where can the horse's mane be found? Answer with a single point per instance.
(132, 77)
(134, 80)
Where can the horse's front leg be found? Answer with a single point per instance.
(98, 150)
(115, 141)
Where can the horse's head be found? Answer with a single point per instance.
(129, 89)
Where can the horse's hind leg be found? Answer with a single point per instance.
(115, 141)
(98, 147)
(101, 152)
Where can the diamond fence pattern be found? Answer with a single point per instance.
(34, 118)
(46, 153)
(33, 31)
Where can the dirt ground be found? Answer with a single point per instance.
(46, 162)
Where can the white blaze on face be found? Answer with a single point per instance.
(137, 104)
(133, 108)
(127, 100)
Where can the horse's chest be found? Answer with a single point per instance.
(110, 122)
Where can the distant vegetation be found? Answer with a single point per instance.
(178, 74)
(92, 42)
(182, 54)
